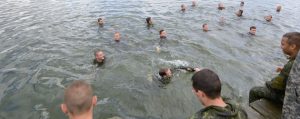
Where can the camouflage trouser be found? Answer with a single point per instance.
(257, 93)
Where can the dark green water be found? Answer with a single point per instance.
(47, 44)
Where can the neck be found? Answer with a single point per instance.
(294, 55)
(87, 115)
(215, 102)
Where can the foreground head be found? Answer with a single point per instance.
(100, 21)
(99, 56)
(252, 30)
(206, 85)
(163, 34)
(268, 18)
(221, 6)
(290, 44)
(78, 100)
(165, 72)
(183, 7)
(278, 8)
(149, 20)
(117, 36)
(205, 27)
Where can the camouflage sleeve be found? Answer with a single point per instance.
(279, 81)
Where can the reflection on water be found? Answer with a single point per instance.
(45, 45)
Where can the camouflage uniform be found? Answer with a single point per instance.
(274, 89)
(291, 105)
(231, 111)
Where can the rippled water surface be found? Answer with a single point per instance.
(47, 44)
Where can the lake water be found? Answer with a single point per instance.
(47, 44)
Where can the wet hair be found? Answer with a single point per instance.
(78, 97)
(204, 25)
(208, 82)
(163, 72)
(148, 20)
(293, 38)
(96, 51)
(242, 3)
(161, 31)
(252, 27)
(99, 19)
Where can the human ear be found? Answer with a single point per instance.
(94, 100)
(64, 108)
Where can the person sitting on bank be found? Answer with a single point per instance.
(252, 30)
(79, 101)
(239, 13)
(149, 21)
(278, 8)
(166, 73)
(117, 36)
(162, 34)
(205, 27)
(268, 18)
(99, 57)
(221, 6)
(183, 8)
(274, 90)
(207, 88)
(100, 22)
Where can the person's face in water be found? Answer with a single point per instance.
(101, 21)
(117, 37)
(268, 18)
(163, 34)
(287, 49)
(205, 27)
(100, 56)
(169, 73)
(252, 31)
(183, 7)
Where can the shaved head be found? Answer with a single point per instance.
(78, 97)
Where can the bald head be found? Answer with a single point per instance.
(78, 97)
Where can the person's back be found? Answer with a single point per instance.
(207, 88)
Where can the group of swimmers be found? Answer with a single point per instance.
(206, 84)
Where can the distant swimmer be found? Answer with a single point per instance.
(149, 21)
(99, 57)
(205, 27)
(117, 36)
(268, 18)
(242, 3)
(239, 13)
(194, 3)
(183, 8)
(100, 21)
(252, 30)
(167, 73)
(221, 6)
(162, 34)
(278, 8)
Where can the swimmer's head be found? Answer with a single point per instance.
(183, 7)
(149, 20)
(268, 18)
(163, 34)
(165, 72)
(117, 36)
(221, 6)
(239, 13)
(194, 3)
(252, 30)
(205, 27)
(100, 21)
(242, 3)
(99, 56)
(278, 8)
